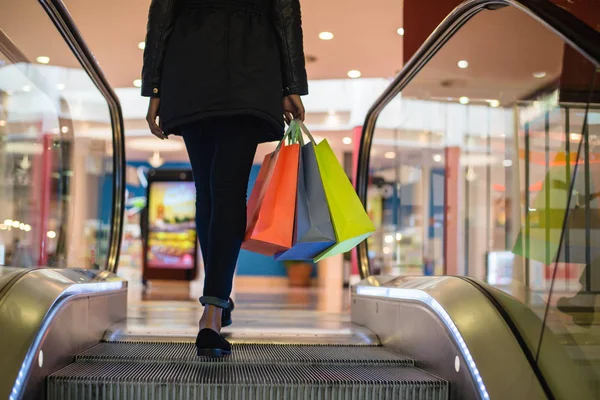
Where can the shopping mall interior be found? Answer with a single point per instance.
(469, 131)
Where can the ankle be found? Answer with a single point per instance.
(211, 318)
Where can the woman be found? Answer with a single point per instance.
(224, 74)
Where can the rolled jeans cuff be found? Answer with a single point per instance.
(214, 301)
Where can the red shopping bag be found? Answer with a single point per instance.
(273, 230)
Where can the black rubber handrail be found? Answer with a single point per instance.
(571, 29)
(63, 21)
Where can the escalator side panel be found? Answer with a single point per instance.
(452, 331)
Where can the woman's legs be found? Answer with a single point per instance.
(232, 145)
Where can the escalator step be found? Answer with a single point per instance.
(245, 354)
(149, 381)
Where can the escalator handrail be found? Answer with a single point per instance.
(571, 29)
(63, 21)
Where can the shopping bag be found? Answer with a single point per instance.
(258, 191)
(314, 230)
(548, 216)
(351, 223)
(274, 227)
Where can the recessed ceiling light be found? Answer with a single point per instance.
(398, 236)
(390, 155)
(539, 75)
(51, 234)
(464, 100)
(137, 83)
(64, 129)
(2, 122)
(575, 137)
(326, 35)
(437, 158)
(150, 144)
(389, 239)
(463, 64)
(353, 73)
(386, 250)
(43, 59)
(400, 31)
(507, 163)
(27, 88)
(347, 140)
(141, 45)
(61, 86)
(493, 103)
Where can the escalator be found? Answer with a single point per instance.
(471, 332)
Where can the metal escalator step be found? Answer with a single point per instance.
(245, 354)
(173, 381)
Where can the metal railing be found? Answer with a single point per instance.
(63, 21)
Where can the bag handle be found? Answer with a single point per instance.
(304, 129)
(289, 133)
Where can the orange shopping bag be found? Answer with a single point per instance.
(258, 191)
(273, 230)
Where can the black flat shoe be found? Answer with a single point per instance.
(226, 315)
(210, 344)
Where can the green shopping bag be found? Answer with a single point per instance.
(351, 223)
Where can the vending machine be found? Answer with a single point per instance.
(170, 241)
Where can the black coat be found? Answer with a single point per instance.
(208, 58)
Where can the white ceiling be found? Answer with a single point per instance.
(113, 29)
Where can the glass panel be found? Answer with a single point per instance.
(471, 172)
(55, 149)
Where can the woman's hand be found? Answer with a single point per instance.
(152, 116)
(293, 108)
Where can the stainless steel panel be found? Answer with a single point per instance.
(246, 354)
(444, 323)
(104, 381)
(35, 314)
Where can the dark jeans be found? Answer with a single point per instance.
(221, 152)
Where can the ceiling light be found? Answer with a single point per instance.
(16, 224)
(398, 236)
(493, 103)
(2, 122)
(390, 155)
(347, 140)
(150, 144)
(8, 222)
(23, 148)
(386, 250)
(141, 45)
(464, 100)
(437, 158)
(64, 129)
(61, 86)
(353, 73)
(532, 209)
(575, 137)
(507, 163)
(27, 88)
(539, 75)
(400, 31)
(137, 83)
(463, 64)
(156, 160)
(325, 35)
(27, 228)
(51, 234)
(389, 239)
(43, 59)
